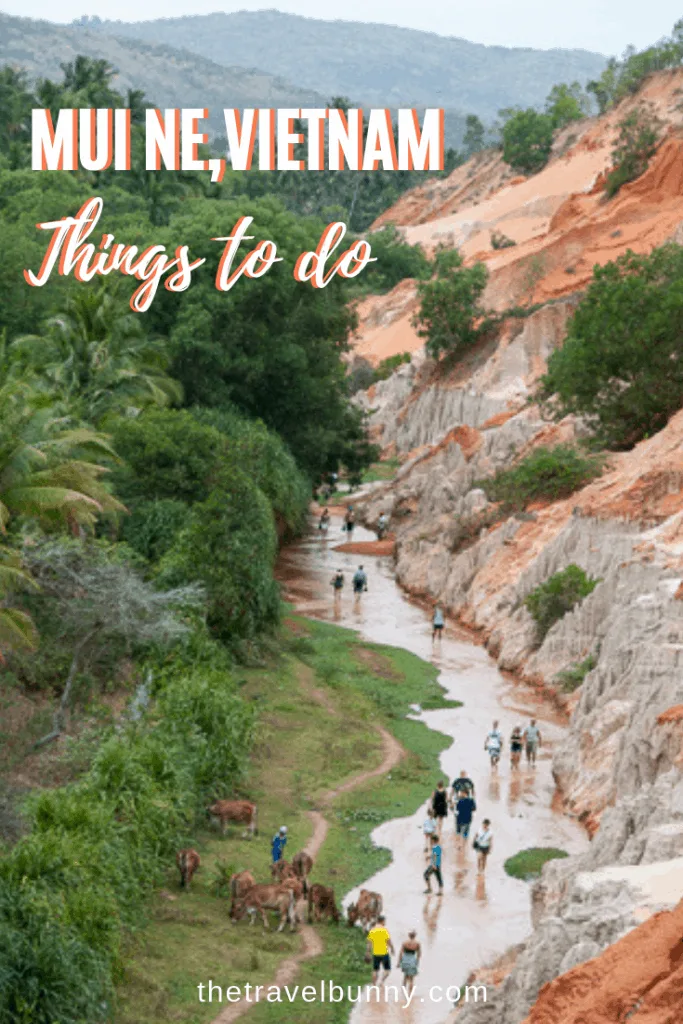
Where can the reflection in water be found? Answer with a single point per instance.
(476, 919)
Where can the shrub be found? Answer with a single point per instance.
(390, 364)
(527, 140)
(153, 526)
(567, 103)
(550, 601)
(636, 143)
(546, 473)
(229, 546)
(501, 241)
(528, 864)
(620, 367)
(396, 261)
(450, 305)
(572, 678)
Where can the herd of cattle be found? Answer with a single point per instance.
(290, 885)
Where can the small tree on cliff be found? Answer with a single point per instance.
(450, 304)
(620, 367)
(527, 140)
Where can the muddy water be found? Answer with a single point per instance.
(477, 918)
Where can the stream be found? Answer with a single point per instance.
(477, 918)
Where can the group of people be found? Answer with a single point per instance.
(462, 802)
(529, 740)
(380, 949)
(359, 583)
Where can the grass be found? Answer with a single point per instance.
(304, 748)
(528, 864)
(385, 470)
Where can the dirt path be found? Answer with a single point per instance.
(312, 944)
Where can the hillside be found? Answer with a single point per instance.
(172, 77)
(613, 661)
(375, 62)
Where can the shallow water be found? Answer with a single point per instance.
(477, 918)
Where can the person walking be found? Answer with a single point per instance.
(437, 623)
(434, 867)
(464, 812)
(483, 844)
(337, 582)
(349, 521)
(516, 747)
(324, 521)
(462, 786)
(380, 947)
(440, 806)
(428, 829)
(278, 844)
(409, 960)
(532, 741)
(494, 745)
(382, 525)
(360, 582)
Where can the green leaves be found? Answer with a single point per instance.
(449, 305)
(550, 601)
(620, 367)
(546, 473)
(527, 140)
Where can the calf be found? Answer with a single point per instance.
(321, 903)
(240, 882)
(188, 862)
(282, 869)
(241, 812)
(303, 865)
(260, 898)
(367, 909)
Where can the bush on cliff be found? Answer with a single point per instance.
(620, 367)
(551, 600)
(546, 473)
(527, 140)
(450, 305)
(639, 133)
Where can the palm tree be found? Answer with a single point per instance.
(48, 476)
(98, 359)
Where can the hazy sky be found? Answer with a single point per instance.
(604, 25)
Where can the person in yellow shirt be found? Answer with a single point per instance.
(380, 945)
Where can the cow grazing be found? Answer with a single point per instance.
(188, 862)
(240, 882)
(260, 898)
(321, 903)
(282, 869)
(303, 865)
(366, 910)
(240, 812)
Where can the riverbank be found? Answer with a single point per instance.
(324, 676)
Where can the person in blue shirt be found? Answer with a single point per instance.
(434, 867)
(279, 843)
(437, 622)
(464, 812)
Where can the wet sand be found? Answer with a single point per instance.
(477, 918)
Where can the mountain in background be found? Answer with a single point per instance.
(168, 76)
(381, 64)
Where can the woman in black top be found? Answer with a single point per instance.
(440, 806)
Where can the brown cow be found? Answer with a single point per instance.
(282, 869)
(260, 898)
(321, 903)
(188, 862)
(366, 910)
(240, 882)
(302, 863)
(242, 812)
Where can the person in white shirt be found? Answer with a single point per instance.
(532, 741)
(483, 844)
(493, 744)
(428, 830)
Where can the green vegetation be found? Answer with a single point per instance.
(639, 133)
(619, 367)
(567, 103)
(396, 261)
(191, 940)
(474, 139)
(527, 140)
(528, 864)
(551, 600)
(450, 305)
(501, 241)
(544, 474)
(384, 470)
(572, 678)
(624, 77)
